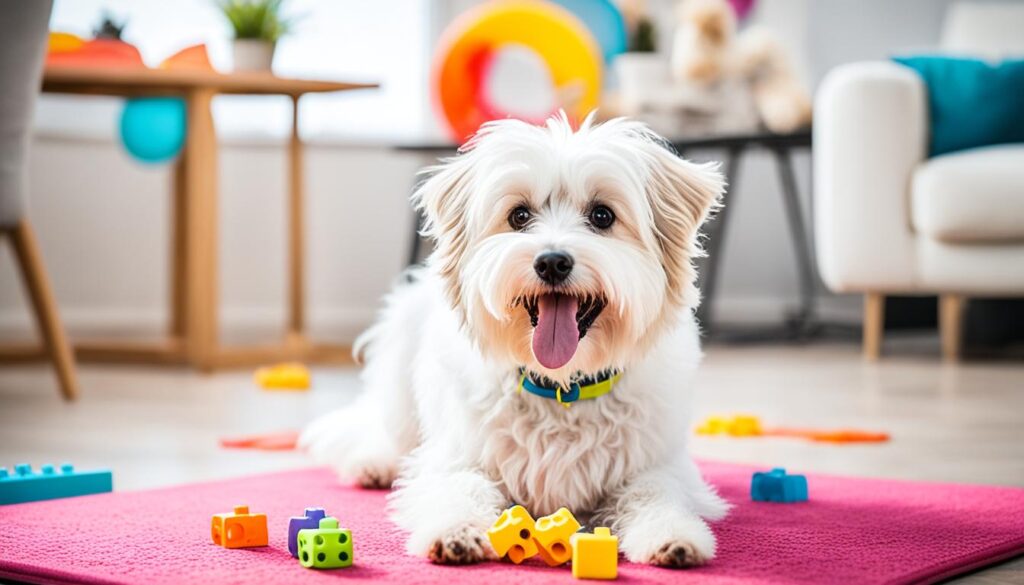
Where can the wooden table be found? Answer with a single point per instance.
(193, 330)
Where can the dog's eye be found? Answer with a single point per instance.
(602, 217)
(519, 218)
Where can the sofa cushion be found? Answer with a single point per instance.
(971, 196)
(971, 102)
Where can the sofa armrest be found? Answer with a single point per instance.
(870, 132)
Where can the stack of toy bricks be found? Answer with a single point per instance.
(516, 536)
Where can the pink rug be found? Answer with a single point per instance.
(852, 531)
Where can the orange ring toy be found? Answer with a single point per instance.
(570, 52)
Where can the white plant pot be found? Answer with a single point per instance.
(641, 76)
(253, 55)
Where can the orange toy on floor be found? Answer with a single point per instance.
(290, 376)
(239, 529)
(750, 426)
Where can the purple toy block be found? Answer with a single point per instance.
(311, 519)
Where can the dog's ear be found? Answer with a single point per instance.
(443, 199)
(681, 195)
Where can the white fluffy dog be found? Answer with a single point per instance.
(562, 257)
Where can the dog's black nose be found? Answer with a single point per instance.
(553, 267)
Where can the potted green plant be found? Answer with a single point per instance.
(257, 25)
(641, 71)
(109, 28)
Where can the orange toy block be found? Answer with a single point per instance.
(512, 535)
(553, 533)
(239, 529)
(595, 556)
(105, 53)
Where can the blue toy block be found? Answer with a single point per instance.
(49, 484)
(777, 486)
(310, 520)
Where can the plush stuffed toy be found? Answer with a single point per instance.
(709, 57)
(724, 81)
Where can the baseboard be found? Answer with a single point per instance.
(768, 310)
(341, 324)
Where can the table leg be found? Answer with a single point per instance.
(201, 243)
(297, 233)
(194, 337)
(716, 241)
(798, 234)
(179, 231)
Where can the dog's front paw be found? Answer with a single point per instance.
(462, 546)
(679, 555)
(376, 476)
(686, 542)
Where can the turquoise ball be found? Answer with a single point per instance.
(153, 129)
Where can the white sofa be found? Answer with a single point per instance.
(889, 220)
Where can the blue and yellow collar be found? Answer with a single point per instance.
(584, 389)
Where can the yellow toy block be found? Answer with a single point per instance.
(512, 535)
(595, 556)
(292, 376)
(745, 426)
(713, 425)
(741, 425)
(61, 42)
(553, 533)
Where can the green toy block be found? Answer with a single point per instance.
(327, 547)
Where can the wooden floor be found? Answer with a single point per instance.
(159, 426)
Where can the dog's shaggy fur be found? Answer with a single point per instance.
(441, 418)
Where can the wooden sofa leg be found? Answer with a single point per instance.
(951, 317)
(26, 250)
(874, 325)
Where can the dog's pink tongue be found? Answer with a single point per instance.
(556, 336)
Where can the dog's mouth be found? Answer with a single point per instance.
(559, 322)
